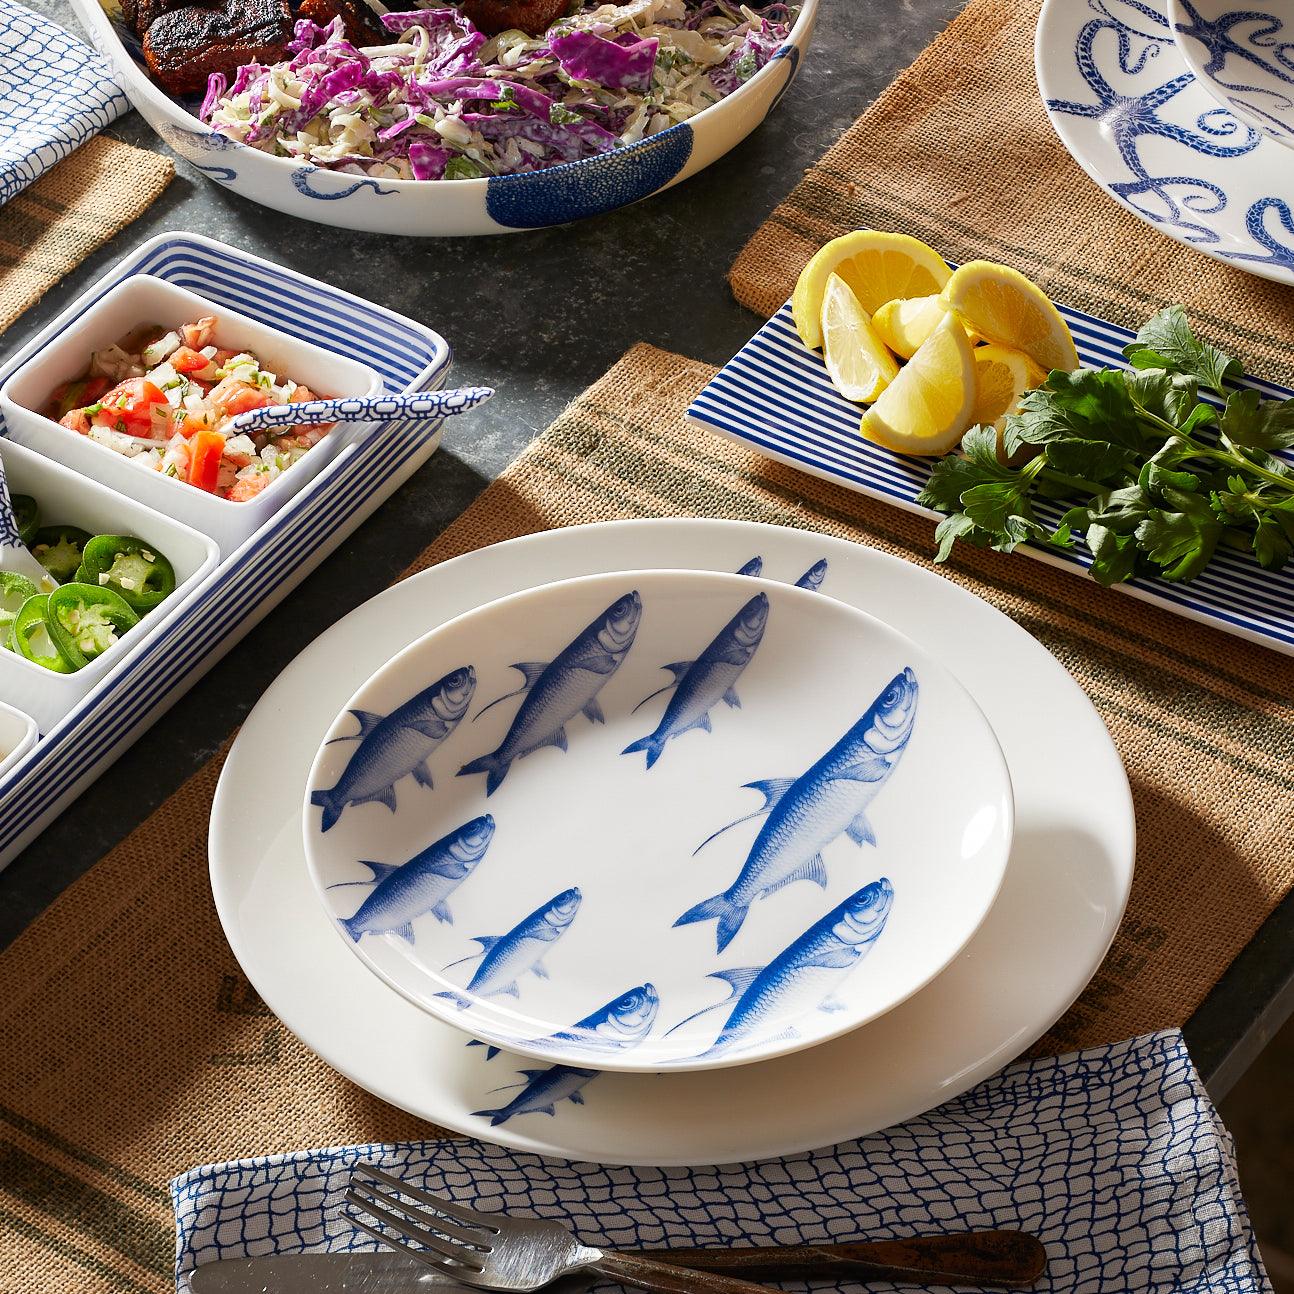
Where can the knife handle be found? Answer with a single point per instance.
(997, 1259)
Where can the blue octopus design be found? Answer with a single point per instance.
(1216, 37)
(301, 182)
(1171, 200)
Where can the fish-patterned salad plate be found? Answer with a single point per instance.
(1061, 900)
(706, 820)
(1244, 55)
(1132, 114)
(775, 396)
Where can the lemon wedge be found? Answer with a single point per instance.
(929, 406)
(904, 324)
(1004, 307)
(1002, 376)
(878, 267)
(858, 363)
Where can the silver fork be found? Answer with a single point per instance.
(501, 1253)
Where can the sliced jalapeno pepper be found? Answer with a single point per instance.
(31, 636)
(129, 567)
(59, 550)
(85, 620)
(28, 514)
(15, 589)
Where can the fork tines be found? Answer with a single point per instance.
(446, 1235)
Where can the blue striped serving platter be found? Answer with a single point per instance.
(253, 579)
(775, 396)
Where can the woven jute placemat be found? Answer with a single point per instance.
(72, 210)
(132, 1047)
(958, 151)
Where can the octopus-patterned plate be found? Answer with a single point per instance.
(1125, 104)
(1244, 54)
(659, 819)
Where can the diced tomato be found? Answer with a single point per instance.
(129, 406)
(197, 335)
(239, 397)
(188, 360)
(77, 394)
(78, 420)
(248, 487)
(205, 451)
(190, 422)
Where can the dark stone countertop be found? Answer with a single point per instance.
(538, 316)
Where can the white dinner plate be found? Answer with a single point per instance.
(1057, 912)
(518, 869)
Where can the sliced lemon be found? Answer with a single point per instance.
(903, 325)
(929, 406)
(878, 266)
(1002, 376)
(858, 363)
(1004, 307)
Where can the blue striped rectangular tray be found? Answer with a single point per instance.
(774, 395)
(249, 582)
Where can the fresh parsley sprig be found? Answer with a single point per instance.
(1157, 477)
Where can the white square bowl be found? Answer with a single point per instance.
(143, 299)
(17, 736)
(68, 498)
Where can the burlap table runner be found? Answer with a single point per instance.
(132, 1047)
(72, 210)
(958, 151)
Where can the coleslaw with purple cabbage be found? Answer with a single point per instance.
(443, 101)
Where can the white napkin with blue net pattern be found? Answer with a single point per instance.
(55, 93)
(1113, 1156)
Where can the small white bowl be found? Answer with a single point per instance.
(18, 733)
(143, 299)
(549, 893)
(1241, 54)
(68, 498)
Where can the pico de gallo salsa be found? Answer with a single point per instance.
(164, 398)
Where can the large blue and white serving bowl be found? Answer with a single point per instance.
(538, 853)
(498, 205)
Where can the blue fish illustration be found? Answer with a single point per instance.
(702, 683)
(541, 1092)
(505, 958)
(405, 891)
(623, 1022)
(813, 577)
(752, 567)
(804, 975)
(398, 744)
(805, 814)
(558, 691)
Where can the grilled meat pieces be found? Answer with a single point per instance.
(362, 25)
(183, 46)
(534, 17)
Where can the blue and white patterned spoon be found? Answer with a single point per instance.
(14, 555)
(377, 409)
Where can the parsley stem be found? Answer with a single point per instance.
(1079, 483)
(1235, 459)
